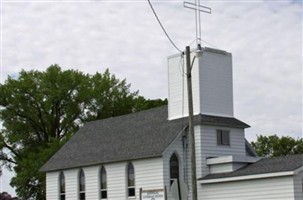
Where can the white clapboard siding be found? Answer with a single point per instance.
(52, 185)
(298, 186)
(148, 174)
(208, 146)
(226, 167)
(216, 83)
(185, 167)
(198, 143)
(212, 85)
(116, 181)
(197, 131)
(280, 188)
(177, 89)
(71, 184)
(92, 182)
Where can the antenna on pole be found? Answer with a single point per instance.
(198, 8)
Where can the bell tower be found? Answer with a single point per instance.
(212, 84)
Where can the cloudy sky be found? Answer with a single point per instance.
(265, 38)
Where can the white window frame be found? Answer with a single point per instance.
(79, 185)
(103, 189)
(60, 191)
(127, 180)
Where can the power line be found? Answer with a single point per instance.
(151, 6)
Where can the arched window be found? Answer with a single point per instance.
(62, 186)
(103, 183)
(81, 185)
(131, 180)
(174, 168)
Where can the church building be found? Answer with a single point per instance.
(144, 155)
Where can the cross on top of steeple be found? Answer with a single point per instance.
(198, 8)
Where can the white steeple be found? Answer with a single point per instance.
(212, 84)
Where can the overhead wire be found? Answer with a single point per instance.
(151, 6)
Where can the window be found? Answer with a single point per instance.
(103, 183)
(62, 186)
(130, 180)
(223, 137)
(174, 168)
(81, 185)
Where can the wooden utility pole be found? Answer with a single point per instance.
(197, 7)
(191, 132)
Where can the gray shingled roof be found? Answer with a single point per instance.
(144, 134)
(222, 121)
(264, 166)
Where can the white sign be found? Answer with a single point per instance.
(153, 195)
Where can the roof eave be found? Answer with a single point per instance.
(43, 169)
(245, 177)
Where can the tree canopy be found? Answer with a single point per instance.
(274, 146)
(40, 111)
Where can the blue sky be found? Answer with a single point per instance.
(265, 38)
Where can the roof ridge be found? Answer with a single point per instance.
(126, 115)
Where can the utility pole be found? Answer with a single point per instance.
(1, 182)
(197, 7)
(190, 125)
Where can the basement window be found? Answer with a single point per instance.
(223, 137)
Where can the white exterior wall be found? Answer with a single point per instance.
(71, 184)
(182, 150)
(211, 84)
(207, 146)
(280, 188)
(148, 175)
(92, 184)
(221, 168)
(116, 180)
(52, 186)
(216, 84)
(298, 186)
(177, 88)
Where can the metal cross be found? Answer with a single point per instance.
(198, 8)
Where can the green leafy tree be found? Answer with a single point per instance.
(40, 111)
(274, 146)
